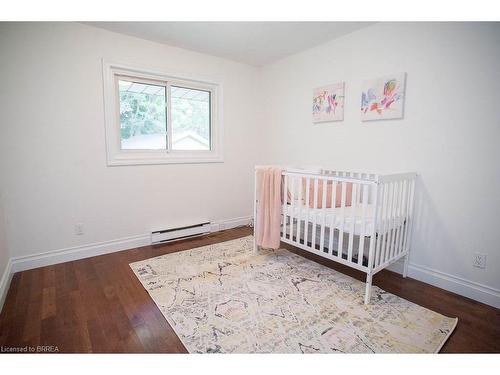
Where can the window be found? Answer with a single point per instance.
(154, 118)
(143, 114)
(190, 118)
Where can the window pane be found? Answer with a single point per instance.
(143, 116)
(190, 119)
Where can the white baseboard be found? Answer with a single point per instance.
(48, 258)
(5, 283)
(78, 252)
(471, 289)
(230, 223)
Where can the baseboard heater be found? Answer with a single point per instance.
(173, 234)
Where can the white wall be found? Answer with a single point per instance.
(52, 156)
(449, 134)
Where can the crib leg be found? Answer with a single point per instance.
(255, 246)
(405, 268)
(368, 291)
(255, 203)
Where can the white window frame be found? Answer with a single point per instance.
(118, 156)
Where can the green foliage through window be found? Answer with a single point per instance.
(142, 113)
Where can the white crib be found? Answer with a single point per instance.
(361, 220)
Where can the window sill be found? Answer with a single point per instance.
(155, 159)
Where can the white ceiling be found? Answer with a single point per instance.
(255, 43)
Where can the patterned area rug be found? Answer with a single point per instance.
(223, 298)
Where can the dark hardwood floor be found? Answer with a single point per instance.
(98, 305)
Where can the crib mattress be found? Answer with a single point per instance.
(333, 216)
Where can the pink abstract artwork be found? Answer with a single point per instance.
(328, 103)
(383, 98)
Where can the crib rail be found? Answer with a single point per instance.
(361, 220)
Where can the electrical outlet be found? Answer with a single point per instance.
(479, 260)
(79, 229)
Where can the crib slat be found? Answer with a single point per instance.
(299, 213)
(360, 192)
(385, 232)
(315, 210)
(374, 192)
(342, 219)
(397, 250)
(385, 220)
(361, 245)
(410, 214)
(323, 211)
(306, 220)
(332, 218)
(390, 223)
(387, 247)
(411, 192)
(285, 204)
(392, 220)
(354, 202)
(404, 212)
(397, 216)
(292, 205)
(394, 217)
(378, 222)
(405, 216)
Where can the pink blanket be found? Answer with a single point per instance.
(269, 207)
